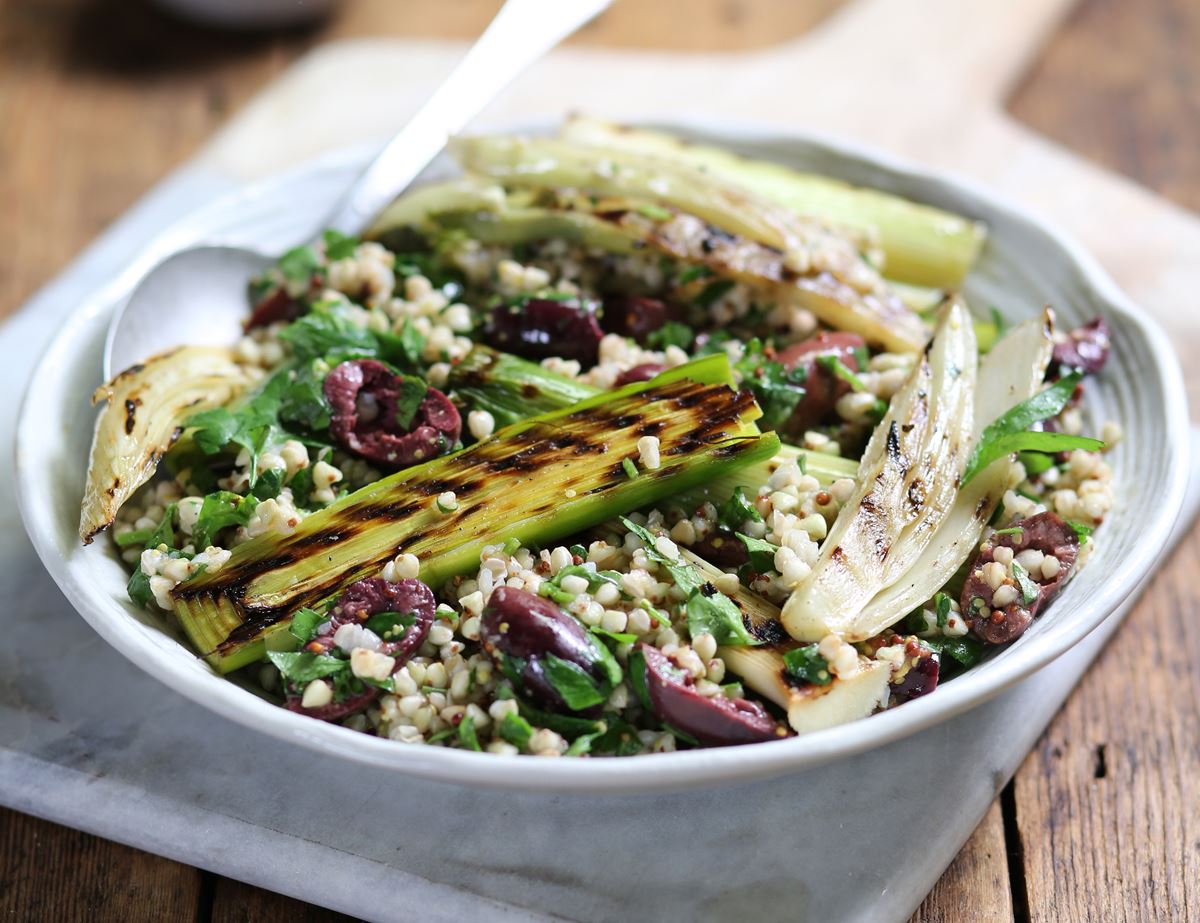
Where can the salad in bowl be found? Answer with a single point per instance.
(613, 445)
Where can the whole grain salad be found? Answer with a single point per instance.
(614, 445)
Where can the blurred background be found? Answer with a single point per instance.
(99, 98)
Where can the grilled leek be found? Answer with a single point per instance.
(907, 485)
(722, 226)
(145, 406)
(512, 389)
(809, 707)
(535, 481)
(922, 245)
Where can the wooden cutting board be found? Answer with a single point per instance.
(923, 79)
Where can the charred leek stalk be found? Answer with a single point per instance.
(907, 484)
(512, 389)
(699, 218)
(1012, 372)
(809, 707)
(922, 245)
(535, 482)
(145, 406)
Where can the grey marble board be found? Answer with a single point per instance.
(89, 741)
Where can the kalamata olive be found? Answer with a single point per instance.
(373, 595)
(643, 372)
(821, 387)
(722, 548)
(715, 720)
(638, 317)
(543, 327)
(919, 678)
(364, 396)
(276, 305)
(1047, 533)
(1085, 348)
(527, 627)
(358, 603)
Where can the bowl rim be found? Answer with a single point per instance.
(667, 771)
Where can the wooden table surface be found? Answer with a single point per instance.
(100, 98)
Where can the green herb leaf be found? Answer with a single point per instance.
(965, 650)
(302, 487)
(637, 677)
(839, 369)
(713, 292)
(1009, 433)
(941, 604)
(412, 392)
(1081, 531)
(269, 484)
(631, 470)
(516, 730)
(736, 510)
(762, 553)
(162, 534)
(672, 333)
(138, 588)
(1012, 530)
(388, 624)
(684, 574)
(327, 330)
(692, 273)
(620, 637)
(339, 246)
(301, 667)
(1036, 462)
(568, 726)
(404, 348)
(1029, 590)
(302, 400)
(305, 623)
(219, 511)
(718, 615)
(299, 264)
(577, 688)
(808, 666)
(466, 734)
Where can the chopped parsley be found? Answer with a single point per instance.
(737, 510)
(807, 665)
(1010, 432)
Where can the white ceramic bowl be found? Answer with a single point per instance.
(1025, 265)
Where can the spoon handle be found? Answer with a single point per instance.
(521, 33)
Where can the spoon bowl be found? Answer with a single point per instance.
(198, 296)
(195, 296)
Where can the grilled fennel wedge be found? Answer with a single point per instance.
(922, 245)
(695, 216)
(907, 484)
(146, 404)
(809, 707)
(535, 481)
(1012, 372)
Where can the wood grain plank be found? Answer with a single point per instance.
(236, 902)
(977, 878)
(1108, 803)
(48, 872)
(1120, 84)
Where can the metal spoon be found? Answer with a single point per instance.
(198, 295)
